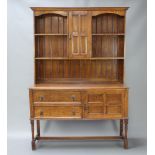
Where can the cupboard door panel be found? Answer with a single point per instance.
(74, 33)
(84, 33)
(114, 110)
(114, 99)
(75, 45)
(96, 108)
(84, 45)
(114, 103)
(95, 105)
(79, 34)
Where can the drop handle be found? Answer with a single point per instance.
(41, 98)
(73, 97)
(41, 113)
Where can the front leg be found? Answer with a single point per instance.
(126, 134)
(38, 129)
(121, 127)
(33, 139)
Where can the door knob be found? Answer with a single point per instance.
(70, 36)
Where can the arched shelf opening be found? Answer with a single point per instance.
(108, 32)
(108, 23)
(51, 34)
(57, 24)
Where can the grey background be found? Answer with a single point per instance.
(20, 78)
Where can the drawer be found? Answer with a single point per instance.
(56, 96)
(56, 111)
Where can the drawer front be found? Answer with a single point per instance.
(57, 112)
(104, 104)
(56, 96)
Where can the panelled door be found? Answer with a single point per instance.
(79, 34)
(104, 104)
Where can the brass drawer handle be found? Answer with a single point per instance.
(41, 98)
(73, 97)
(41, 113)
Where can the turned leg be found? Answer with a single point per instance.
(126, 134)
(33, 139)
(38, 128)
(121, 127)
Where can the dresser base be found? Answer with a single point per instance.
(122, 136)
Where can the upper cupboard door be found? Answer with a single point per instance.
(79, 34)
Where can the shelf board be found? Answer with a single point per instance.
(109, 34)
(104, 58)
(99, 34)
(92, 58)
(50, 34)
(51, 58)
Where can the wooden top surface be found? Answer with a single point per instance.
(77, 86)
(77, 8)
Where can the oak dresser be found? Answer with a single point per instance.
(79, 68)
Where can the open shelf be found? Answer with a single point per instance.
(108, 46)
(99, 70)
(108, 24)
(51, 46)
(51, 24)
(104, 61)
(108, 36)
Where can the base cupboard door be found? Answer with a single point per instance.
(104, 104)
